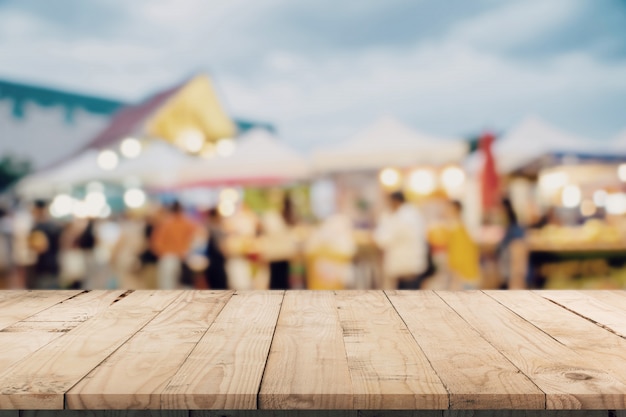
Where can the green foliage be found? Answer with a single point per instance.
(12, 169)
(473, 143)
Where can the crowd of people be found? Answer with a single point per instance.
(170, 246)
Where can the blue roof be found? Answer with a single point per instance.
(245, 125)
(20, 94)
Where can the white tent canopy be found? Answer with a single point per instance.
(530, 139)
(156, 166)
(259, 157)
(388, 143)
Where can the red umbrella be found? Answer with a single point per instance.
(489, 180)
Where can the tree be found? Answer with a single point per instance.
(12, 168)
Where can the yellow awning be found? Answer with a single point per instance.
(194, 107)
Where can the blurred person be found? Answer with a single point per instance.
(6, 248)
(463, 253)
(279, 246)
(44, 241)
(330, 250)
(242, 263)
(127, 252)
(71, 259)
(215, 273)
(512, 252)
(86, 242)
(550, 217)
(148, 258)
(171, 242)
(401, 234)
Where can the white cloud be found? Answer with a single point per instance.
(515, 24)
(452, 84)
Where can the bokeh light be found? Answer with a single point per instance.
(134, 198)
(108, 160)
(130, 148)
(422, 181)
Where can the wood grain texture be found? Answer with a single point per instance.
(596, 306)
(588, 339)
(309, 353)
(136, 374)
(20, 339)
(104, 413)
(17, 308)
(224, 369)
(400, 413)
(307, 366)
(40, 380)
(274, 413)
(476, 374)
(387, 368)
(525, 413)
(569, 379)
(23, 338)
(614, 298)
(79, 308)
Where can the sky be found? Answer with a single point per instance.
(322, 70)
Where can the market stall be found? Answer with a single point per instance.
(385, 157)
(145, 146)
(527, 141)
(258, 159)
(390, 156)
(580, 240)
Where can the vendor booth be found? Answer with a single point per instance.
(580, 240)
(259, 159)
(145, 146)
(385, 157)
(394, 156)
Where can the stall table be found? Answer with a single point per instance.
(594, 266)
(351, 353)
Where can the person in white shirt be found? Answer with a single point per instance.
(401, 234)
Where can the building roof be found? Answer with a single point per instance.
(20, 94)
(76, 134)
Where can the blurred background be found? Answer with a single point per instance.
(274, 144)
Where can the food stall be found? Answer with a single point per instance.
(389, 156)
(577, 233)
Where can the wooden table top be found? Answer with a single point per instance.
(312, 350)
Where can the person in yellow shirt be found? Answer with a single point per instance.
(463, 252)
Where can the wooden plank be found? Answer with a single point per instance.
(400, 413)
(275, 413)
(15, 308)
(6, 294)
(307, 366)
(569, 329)
(525, 413)
(615, 298)
(25, 337)
(387, 368)
(569, 379)
(594, 308)
(317, 413)
(134, 376)
(475, 373)
(40, 380)
(80, 308)
(224, 369)
(104, 413)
